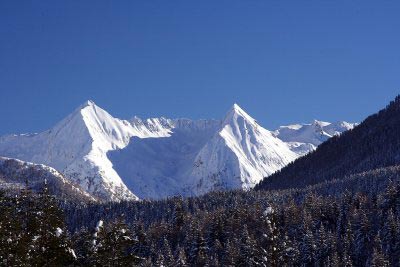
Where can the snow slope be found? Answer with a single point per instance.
(15, 173)
(303, 138)
(115, 159)
(200, 156)
(239, 155)
(158, 167)
(77, 146)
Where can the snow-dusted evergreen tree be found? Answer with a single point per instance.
(51, 245)
(181, 259)
(307, 244)
(362, 237)
(113, 244)
(141, 247)
(178, 221)
(230, 254)
(160, 262)
(272, 245)
(348, 246)
(390, 238)
(11, 250)
(167, 253)
(378, 256)
(218, 249)
(83, 245)
(249, 253)
(29, 212)
(322, 245)
(199, 251)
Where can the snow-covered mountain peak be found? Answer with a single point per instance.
(235, 114)
(85, 104)
(339, 127)
(318, 123)
(78, 145)
(239, 155)
(307, 136)
(236, 107)
(88, 108)
(115, 159)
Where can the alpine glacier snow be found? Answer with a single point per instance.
(303, 138)
(78, 145)
(115, 159)
(239, 155)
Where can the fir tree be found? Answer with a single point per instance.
(307, 244)
(50, 243)
(390, 236)
(181, 259)
(248, 249)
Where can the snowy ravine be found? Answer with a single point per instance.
(115, 159)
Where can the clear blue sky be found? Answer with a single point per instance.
(282, 61)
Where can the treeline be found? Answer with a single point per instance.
(281, 228)
(368, 183)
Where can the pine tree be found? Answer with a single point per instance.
(346, 260)
(348, 246)
(147, 263)
(248, 249)
(10, 253)
(290, 252)
(218, 249)
(362, 238)
(167, 253)
(160, 262)
(83, 243)
(322, 245)
(181, 259)
(378, 257)
(178, 222)
(29, 217)
(390, 233)
(200, 251)
(51, 244)
(332, 261)
(307, 244)
(230, 255)
(392, 198)
(272, 247)
(114, 245)
(141, 248)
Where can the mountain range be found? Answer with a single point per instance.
(113, 159)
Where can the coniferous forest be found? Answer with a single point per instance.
(330, 224)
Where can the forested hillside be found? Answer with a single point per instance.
(349, 222)
(373, 144)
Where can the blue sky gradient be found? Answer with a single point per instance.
(281, 61)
